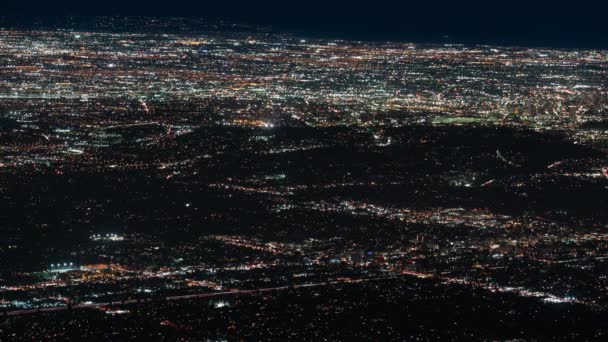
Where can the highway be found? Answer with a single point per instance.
(191, 296)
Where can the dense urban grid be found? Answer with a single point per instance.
(178, 180)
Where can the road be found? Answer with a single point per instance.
(193, 296)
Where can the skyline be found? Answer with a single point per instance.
(535, 24)
(180, 179)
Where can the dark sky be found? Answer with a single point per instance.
(535, 23)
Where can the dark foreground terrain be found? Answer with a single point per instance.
(387, 310)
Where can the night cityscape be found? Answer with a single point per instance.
(178, 179)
